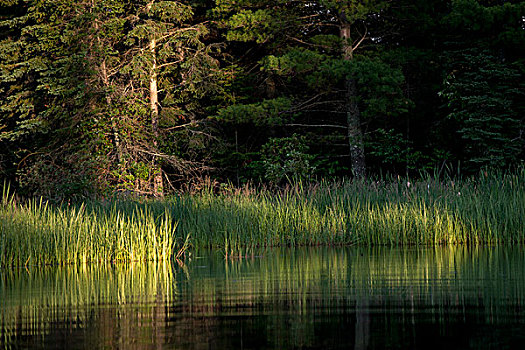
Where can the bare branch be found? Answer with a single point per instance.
(318, 126)
(361, 40)
(192, 123)
(309, 44)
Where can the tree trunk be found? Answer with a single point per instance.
(105, 80)
(154, 108)
(353, 116)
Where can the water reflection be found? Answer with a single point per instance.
(304, 298)
(99, 305)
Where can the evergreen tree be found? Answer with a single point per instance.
(99, 81)
(43, 84)
(484, 87)
(99, 96)
(324, 57)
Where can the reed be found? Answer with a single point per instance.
(36, 233)
(488, 209)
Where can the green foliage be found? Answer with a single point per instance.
(250, 25)
(484, 96)
(355, 10)
(475, 17)
(286, 158)
(59, 177)
(304, 62)
(76, 80)
(380, 86)
(258, 21)
(267, 112)
(296, 61)
(394, 150)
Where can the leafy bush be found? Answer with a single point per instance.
(286, 157)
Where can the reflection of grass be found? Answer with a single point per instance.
(302, 287)
(35, 300)
(292, 288)
(489, 210)
(438, 276)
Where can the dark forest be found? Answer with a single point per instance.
(149, 97)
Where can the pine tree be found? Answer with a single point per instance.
(313, 51)
(42, 80)
(484, 87)
(99, 81)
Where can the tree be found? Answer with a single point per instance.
(484, 86)
(103, 83)
(164, 52)
(350, 13)
(308, 52)
(43, 83)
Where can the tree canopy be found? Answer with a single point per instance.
(105, 96)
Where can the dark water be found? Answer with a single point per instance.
(325, 298)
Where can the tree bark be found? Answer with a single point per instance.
(154, 108)
(353, 115)
(154, 111)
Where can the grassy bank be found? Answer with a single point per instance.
(487, 210)
(36, 233)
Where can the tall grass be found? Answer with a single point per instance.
(488, 209)
(35, 233)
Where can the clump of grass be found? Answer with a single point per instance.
(36, 233)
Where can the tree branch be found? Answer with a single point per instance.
(318, 126)
(360, 40)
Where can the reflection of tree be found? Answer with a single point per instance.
(309, 287)
(362, 324)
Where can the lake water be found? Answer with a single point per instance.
(322, 298)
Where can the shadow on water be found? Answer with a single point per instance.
(322, 298)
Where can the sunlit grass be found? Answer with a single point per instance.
(489, 209)
(36, 233)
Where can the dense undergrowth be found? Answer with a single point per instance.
(488, 209)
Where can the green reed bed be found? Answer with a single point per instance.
(488, 209)
(35, 233)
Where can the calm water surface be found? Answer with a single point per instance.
(323, 298)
